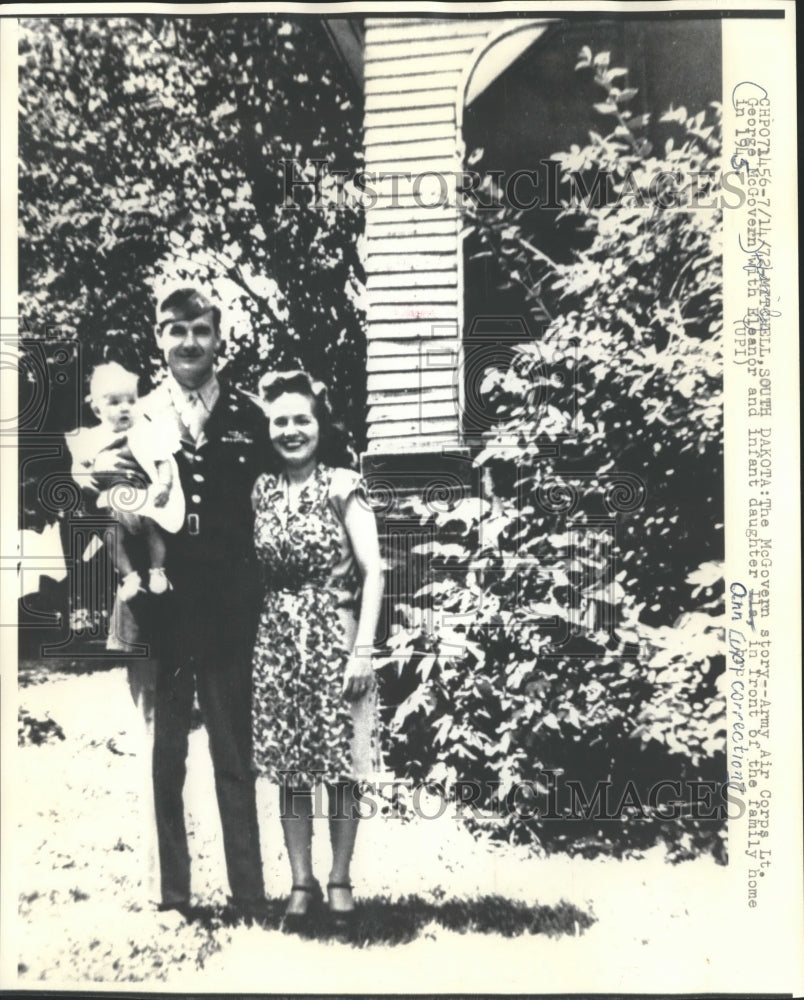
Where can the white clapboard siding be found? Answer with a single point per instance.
(431, 181)
(401, 22)
(414, 71)
(410, 49)
(416, 425)
(407, 145)
(385, 364)
(385, 213)
(383, 36)
(411, 379)
(400, 263)
(427, 200)
(430, 244)
(429, 184)
(404, 21)
(419, 83)
(414, 444)
(427, 181)
(424, 204)
(414, 394)
(394, 100)
(396, 411)
(408, 133)
(430, 140)
(425, 331)
(415, 329)
(405, 133)
(380, 229)
(416, 63)
(395, 296)
(425, 351)
(391, 363)
(436, 114)
(405, 311)
(404, 363)
(438, 351)
(418, 280)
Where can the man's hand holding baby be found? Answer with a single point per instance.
(116, 459)
(159, 494)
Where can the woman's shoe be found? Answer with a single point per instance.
(315, 899)
(343, 920)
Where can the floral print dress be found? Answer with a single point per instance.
(301, 723)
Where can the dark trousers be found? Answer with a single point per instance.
(223, 682)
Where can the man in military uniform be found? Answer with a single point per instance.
(202, 631)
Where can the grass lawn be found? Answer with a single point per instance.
(438, 910)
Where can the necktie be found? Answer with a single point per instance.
(193, 414)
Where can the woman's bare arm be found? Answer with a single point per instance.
(361, 527)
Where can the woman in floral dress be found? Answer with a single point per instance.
(314, 695)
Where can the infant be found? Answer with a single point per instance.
(142, 509)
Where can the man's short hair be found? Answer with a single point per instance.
(186, 304)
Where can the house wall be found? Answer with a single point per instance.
(419, 73)
(416, 73)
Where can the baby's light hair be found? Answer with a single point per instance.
(111, 377)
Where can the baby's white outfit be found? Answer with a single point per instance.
(150, 440)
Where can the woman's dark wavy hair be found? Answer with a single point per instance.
(335, 446)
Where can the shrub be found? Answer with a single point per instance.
(578, 604)
(34, 732)
(157, 150)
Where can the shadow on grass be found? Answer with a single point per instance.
(378, 920)
(42, 669)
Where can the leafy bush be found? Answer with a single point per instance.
(34, 732)
(156, 150)
(578, 605)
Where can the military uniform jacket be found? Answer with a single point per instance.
(211, 561)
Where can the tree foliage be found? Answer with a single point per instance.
(579, 606)
(154, 150)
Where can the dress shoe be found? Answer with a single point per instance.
(249, 910)
(180, 906)
(342, 919)
(315, 898)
